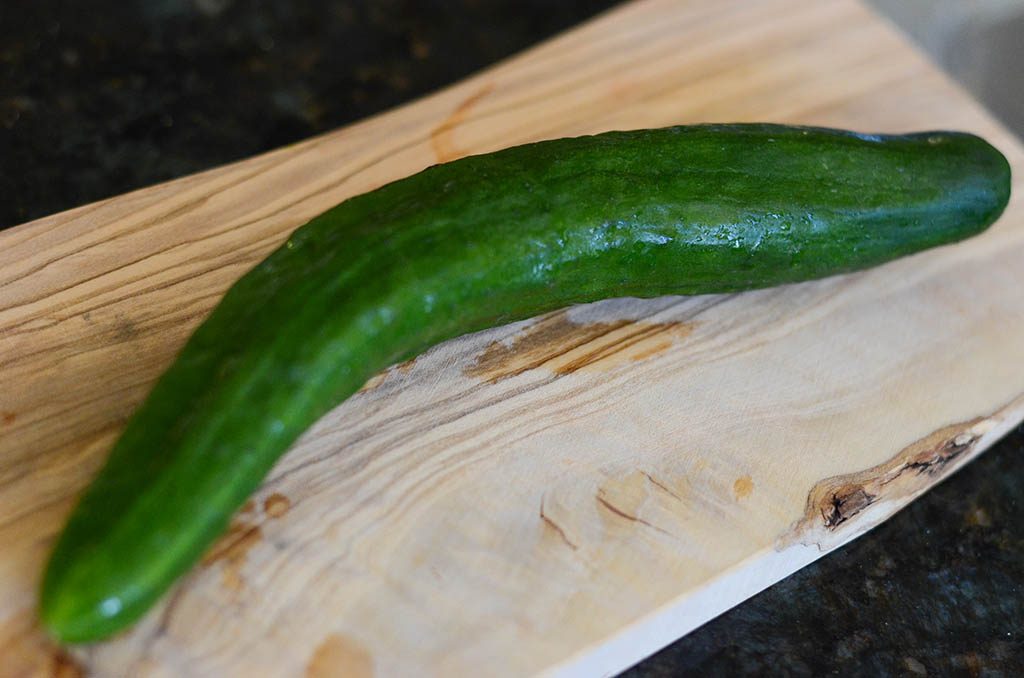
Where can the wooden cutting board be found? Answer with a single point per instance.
(563, 495)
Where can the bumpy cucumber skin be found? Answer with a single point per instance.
(467, 245)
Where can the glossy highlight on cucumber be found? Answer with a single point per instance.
(471, 244)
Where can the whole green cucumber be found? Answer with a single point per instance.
(467, 245)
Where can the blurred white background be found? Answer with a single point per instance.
(980, 42)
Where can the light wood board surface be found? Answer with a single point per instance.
(563, 495)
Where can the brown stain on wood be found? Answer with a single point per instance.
(674, 493)
(8, 418)
(276, 505)
(615, 510)
(442, 138)
(564, 347)
(742, 488)
(27, 650)
(231, 550)
(65, 666)
(652, 350)
(555, 528)
(373, 382)
(628, 493)
(235, 544)
(125, 329)
(834, 501)
(624, 498)
(376, 380)
(339, 656)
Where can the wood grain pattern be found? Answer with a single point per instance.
(563, 495)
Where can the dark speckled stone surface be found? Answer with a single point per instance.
(102, 97)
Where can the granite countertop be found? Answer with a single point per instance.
(100, 98)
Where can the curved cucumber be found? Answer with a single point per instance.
(467, 245)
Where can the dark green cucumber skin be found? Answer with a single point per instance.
(468, 245)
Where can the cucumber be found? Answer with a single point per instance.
(467, 245)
